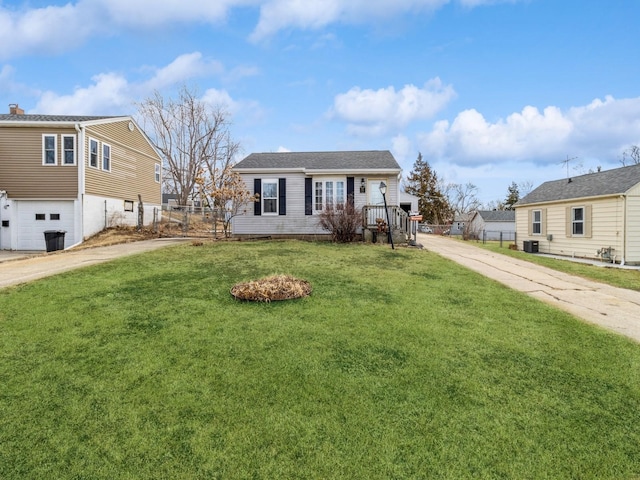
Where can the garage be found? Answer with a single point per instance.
(36, 217)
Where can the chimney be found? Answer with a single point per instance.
(14, 109)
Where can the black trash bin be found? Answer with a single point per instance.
(54, 240)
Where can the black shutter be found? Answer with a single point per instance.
(350, 187)
(282, 196)
(257, 189)
(308, 196)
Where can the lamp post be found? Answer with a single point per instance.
(383, 191)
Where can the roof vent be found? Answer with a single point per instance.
(569, 180)
(14, 109)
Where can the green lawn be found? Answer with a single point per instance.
(399, 365)
(604, 273)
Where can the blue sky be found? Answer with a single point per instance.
(489, 91)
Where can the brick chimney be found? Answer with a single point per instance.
(14, 109)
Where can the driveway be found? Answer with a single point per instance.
(613, 308)
(21, 267)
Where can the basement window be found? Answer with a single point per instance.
(128, 206)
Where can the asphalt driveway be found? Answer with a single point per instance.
(613, 308)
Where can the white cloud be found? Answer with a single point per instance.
(29, 30)
(113, 94)
(373, 112)
(600, 129)
(282, 149)
(184, 67)
(108, 95)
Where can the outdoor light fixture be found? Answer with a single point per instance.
(383, 191)
(362, 185)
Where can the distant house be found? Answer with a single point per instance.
(593, 216)
(460, 221)
(294, 188)
(493, 224)
(77, 174)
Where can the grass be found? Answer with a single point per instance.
(399, 365)
(617, 277)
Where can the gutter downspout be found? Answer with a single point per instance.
(81, 186)
(624, 228)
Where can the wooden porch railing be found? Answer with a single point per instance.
(398, 218)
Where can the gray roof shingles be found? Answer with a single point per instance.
(608, 182)
(50, 118)
(498, 215)
(346, 160)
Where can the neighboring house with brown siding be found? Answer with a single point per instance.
(78, 174)
(594, 216)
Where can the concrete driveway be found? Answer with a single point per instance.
(613, 308)
(22, 267)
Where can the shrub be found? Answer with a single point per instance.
(341, 221)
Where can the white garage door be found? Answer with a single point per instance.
(35, 217)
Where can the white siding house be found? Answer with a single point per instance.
(594, 216)
(294, 187)
(493, 224)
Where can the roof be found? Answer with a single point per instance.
(346, 160)
(36, 118)
(608, 182)
(497, 215)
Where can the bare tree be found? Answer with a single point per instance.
(525, 188)
(194, 139)
(631, 156)
(229, 197)
(463, 198)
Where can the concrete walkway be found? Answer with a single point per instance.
(20, 267)
(613, 308)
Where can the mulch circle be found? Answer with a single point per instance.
(272, 288)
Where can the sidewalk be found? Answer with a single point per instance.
(21, 267)
(612, 308)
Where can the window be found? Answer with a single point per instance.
(54, 216)
(68, 150)
(128, 205)
(536, 222)
(157, 173)
(329, 192)
(49, 149)
(93, 153)
(577, 221)
(106, 157)
(270, 197)
(41, 216)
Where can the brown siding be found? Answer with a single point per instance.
(22, 174)
(133, 163)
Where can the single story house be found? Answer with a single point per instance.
(493, 224)
(593, 216)
(73, 174)
(295, 187)
(460, 221)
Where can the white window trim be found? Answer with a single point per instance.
(97, 165)
(324, 181)
(64, 151)
(55, 150)
(110, 157)
(277, 197)
(533, 222)
(158, 173)
(574, 222)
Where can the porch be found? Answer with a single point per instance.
(375, 226)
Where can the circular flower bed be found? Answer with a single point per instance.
(273, 288)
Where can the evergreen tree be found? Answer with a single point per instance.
(513, 195)
(422, 182)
